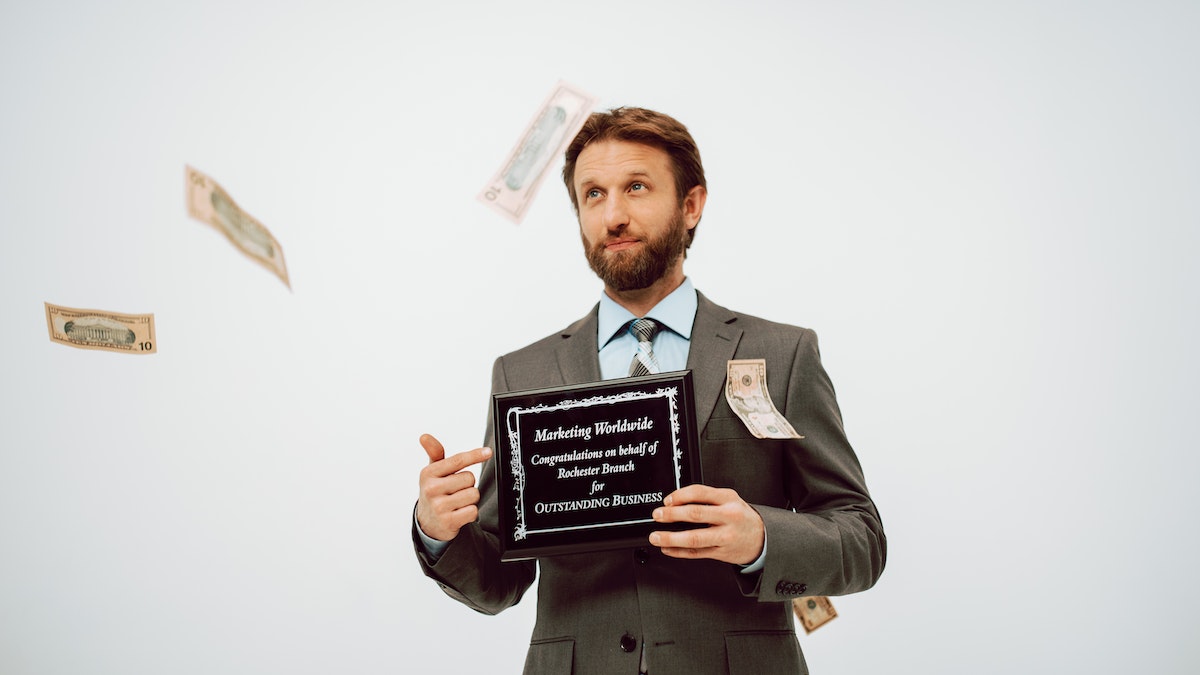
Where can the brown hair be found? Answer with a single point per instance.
(639, 125)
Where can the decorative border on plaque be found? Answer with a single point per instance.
(513, 422)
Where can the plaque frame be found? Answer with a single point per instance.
(668, 399)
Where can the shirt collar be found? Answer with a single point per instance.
(676, 312)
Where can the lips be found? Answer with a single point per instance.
(620, 244)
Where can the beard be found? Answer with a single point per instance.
(635, 270)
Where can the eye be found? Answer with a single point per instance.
(593, 193)
(637, 187)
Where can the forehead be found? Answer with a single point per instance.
(617, 159)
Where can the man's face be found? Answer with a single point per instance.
(633, 227)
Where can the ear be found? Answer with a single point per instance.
(693, 205)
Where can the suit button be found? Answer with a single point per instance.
(790, 588)
(628, 643)
(642, 555)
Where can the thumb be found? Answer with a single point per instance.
(433, 448)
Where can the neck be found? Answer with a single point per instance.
(642, 300)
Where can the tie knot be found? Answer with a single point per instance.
(644, 329)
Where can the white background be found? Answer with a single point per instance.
(988, 211)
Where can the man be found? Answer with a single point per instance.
(782, 518)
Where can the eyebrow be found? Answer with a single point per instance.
(637, 173)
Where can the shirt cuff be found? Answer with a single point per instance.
(434, 548)
(753, 568)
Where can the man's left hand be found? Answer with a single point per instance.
(735, 530)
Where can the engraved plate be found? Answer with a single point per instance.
(583, 468)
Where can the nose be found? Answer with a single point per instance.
(616, 213)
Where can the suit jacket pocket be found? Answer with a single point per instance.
(550, 657)
(733, 458)
(764, 652)
(726, 428)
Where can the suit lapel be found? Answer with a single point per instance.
(578, 358)
(715, 338)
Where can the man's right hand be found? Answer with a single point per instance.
(448, 496)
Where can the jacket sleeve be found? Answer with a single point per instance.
(828, 539)
(470, 569)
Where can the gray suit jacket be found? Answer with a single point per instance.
(597, 611)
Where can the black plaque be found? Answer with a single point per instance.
(582, 468)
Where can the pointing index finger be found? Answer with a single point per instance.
(459, 461)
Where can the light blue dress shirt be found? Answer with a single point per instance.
(675, 314)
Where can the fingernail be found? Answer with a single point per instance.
(667, 500)
(487, 452)
(658, 514)
(655, 539)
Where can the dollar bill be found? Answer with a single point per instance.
(98, 329)
(813, 612)
(547, 135)
(747, 394)
(209, 203)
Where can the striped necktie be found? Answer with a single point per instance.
(643, 362)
